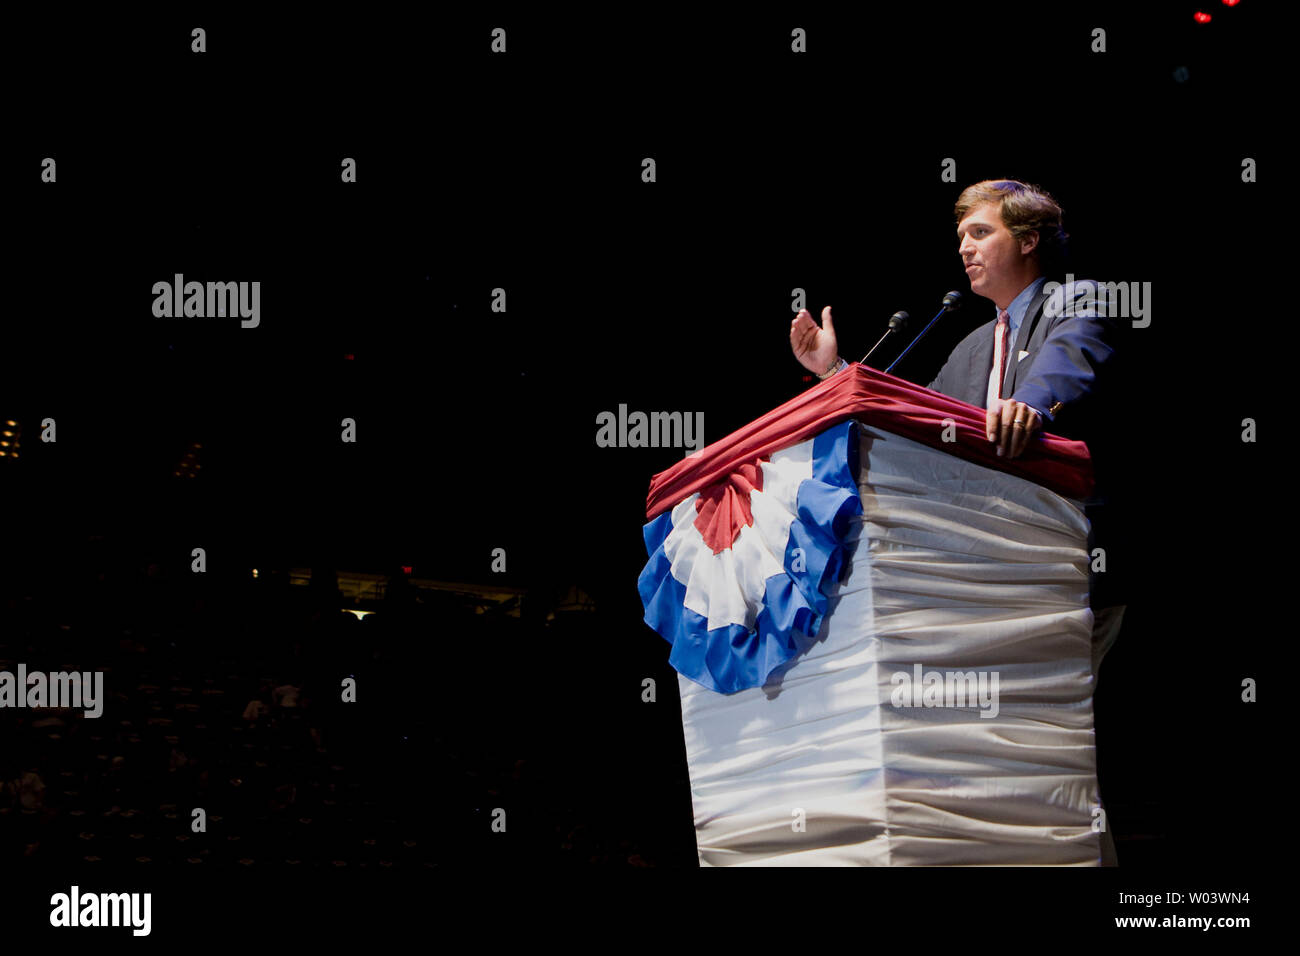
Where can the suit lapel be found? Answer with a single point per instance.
(981, 362)
(1032, 314)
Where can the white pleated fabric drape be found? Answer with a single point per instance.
(959, 569)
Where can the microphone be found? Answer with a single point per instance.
(951, 302)
(896, 321)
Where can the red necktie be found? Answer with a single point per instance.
(1003, 334)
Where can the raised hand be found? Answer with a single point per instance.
(815, 348)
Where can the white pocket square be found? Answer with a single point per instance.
(1021, 356)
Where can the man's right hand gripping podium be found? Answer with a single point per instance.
(1045, 361)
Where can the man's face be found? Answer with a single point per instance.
(998, 267)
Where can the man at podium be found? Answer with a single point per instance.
(1036, 362)
(830, 573)
(1043, 362)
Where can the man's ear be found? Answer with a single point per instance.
(1029, 243)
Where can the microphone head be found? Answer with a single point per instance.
(952, 301)
(898, 320)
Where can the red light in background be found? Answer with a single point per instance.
(1231, 3)
(1201, 17)
(406, 569)
(349, 356)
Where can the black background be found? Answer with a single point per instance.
(476, 429)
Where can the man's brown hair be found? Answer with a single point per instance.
(1024, 209)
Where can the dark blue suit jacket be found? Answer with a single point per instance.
(1071, 374)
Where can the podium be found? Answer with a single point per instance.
(882, 635)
